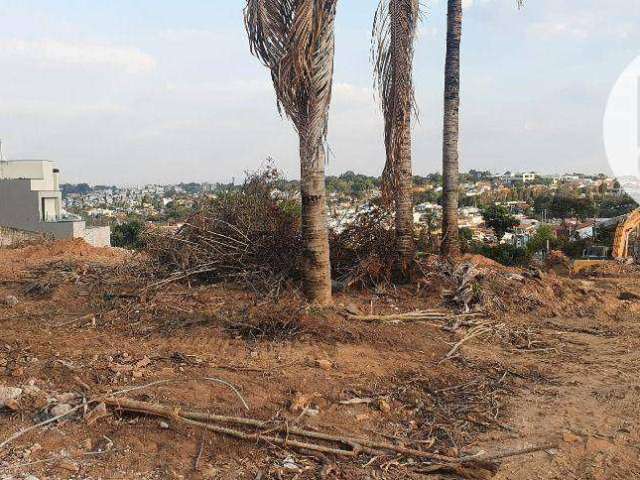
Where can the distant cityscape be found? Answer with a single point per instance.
(575, 205)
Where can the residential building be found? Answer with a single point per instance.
(31, 200)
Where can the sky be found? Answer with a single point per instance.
(160, 91)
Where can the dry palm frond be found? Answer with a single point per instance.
(394, 31)
(295, 40)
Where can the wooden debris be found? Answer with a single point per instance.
(415, 316)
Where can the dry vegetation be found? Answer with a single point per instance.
(198, 358)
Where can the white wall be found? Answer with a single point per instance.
(40, 172)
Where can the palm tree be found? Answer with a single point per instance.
(450, 171)
(295, 40)
(394, 31)
(451, 131)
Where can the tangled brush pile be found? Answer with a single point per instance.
(252, 235)
(245, 234)
(363, 254)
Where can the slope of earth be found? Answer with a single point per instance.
(69, 333)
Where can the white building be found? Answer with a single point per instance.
(31, 200)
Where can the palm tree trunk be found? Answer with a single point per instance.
(405, 244)
(296, 41)
(394, 30)
(450, 169)
(316, 268)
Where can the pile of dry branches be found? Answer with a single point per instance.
(363, 254)
(252, 236)
(246, 234)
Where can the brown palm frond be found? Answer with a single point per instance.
(295, 40)
(394, 30)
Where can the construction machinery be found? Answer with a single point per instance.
(626, 237)
(626, 244)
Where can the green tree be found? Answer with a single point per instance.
(128, 235)
(499, 219)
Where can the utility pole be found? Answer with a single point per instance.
(1, 156)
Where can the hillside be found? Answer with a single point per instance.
(543, 360)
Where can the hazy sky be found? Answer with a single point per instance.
(140, 91)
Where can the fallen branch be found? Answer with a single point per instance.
(88, 316)
(474, 332)
(416, 316)
(164, 382)
(357, 444)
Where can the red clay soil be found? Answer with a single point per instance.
(557, 364)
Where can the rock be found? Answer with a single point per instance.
(324, 364)
(595, 445)
(289, 463)
(60, 409)
(31, 390)
(12, 405)
(164, 425)
(10, 301)
(9, 394)
(66, 397)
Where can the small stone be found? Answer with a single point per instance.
(164, 425)
(289, 463)
(10, 301)
(60, 409)
(66, 397)
(324, 364)
(12, 404)
(31, 390)
(7, 394)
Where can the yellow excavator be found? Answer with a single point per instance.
(625, 230)
(628, 228)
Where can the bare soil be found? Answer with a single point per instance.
(559, 364)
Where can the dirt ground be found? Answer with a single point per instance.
(556, 362)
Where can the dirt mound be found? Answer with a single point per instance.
(482, 261)
(58, 250)
(81, 330)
